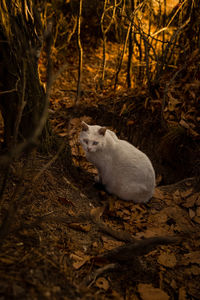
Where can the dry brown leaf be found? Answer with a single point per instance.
(172, 103)
(64, 133)
(195, 270)
(154, 231)
(159, 218)
(79, 259)
(186, 193)
(81, 227)
(183, 222)
(193, 132)
(184, 124)
(167, 260)
(182, 294)
(191, 213)
(190, 201)
(123, 109)
(117, 296)
(173, 284)
(158, 194)
(130, 122)
(192, 257)
(177, 196)
(102, 283)
(198, 211)
(198, 200)
(196, 219)
(95, 245)
(97, 212)
(109, 244)
(148, 292)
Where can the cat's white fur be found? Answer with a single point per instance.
(124, 170)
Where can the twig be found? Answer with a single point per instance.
(92, 277)
(104, 33)
(45, 167)
(21, 106)
(167, 48)
(122, 56)
(52, 219)
(12, 90)
(80, 50)
(130, 49)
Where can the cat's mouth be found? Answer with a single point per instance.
(90, 150)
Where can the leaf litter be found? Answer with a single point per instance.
(67, 235)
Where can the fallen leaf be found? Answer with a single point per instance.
(65, 201)
(81, 227)
(173, 284)
(195, 270)
(182, 294)
(177, 196)
(186, 193)
(192, 257)
(184, 124)
(148, 292)
(109, 244)
(158, 194)
(198, 200)
(191, 213)
(63, 134)
(97, 212)
(190, 201)
(130, 122)
(79, 259)
(117, 296)
(102, 283)
(167, 260)
(124, 108)
(159, 218)
(193, 132)
(198, 211)
(196, 219)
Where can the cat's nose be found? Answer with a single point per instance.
(89, 149)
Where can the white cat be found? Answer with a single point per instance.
(124, 170)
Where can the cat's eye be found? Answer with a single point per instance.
(85, 141)
(95, 143)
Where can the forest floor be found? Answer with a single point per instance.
(62, 226)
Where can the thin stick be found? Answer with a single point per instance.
(80, 50)
(21, 105)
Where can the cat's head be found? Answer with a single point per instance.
(92, 137)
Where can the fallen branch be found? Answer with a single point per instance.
(126, 254)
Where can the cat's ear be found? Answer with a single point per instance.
(102, 130)
(85, 126)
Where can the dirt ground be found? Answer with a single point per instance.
(62, 228)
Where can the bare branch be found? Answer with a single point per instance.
(21, 106)
(80, 49)
(12, 90)
(15, 152)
